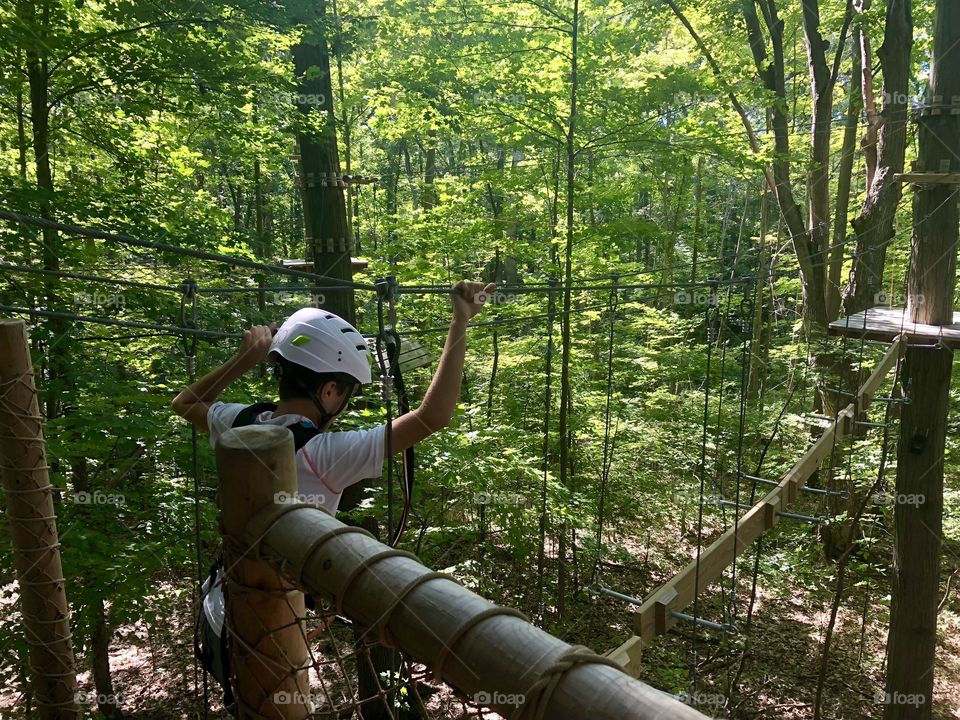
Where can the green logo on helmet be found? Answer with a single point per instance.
(300, 340)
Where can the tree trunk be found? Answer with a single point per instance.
(346, 129)
(874, 226)
(918, 514)
(818, 179)
(329, 244)
(429, 195)
(566, 318)
(869, 141)
(697, 211)
(21, 125)
(107, 701)
(771, 72)
(757, 365)
(38, 78)
(845, 175)
(411, 181)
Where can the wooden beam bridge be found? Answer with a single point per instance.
(657, 613)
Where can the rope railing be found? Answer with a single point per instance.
(230, 260)
(452, 646)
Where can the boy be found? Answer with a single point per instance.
(320, 360)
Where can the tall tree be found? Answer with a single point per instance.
(566, 391)
(845, 172)
(874, 225)
(926, 376)
(810, 239)
(329, 242)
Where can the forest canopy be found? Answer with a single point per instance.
(675, 200)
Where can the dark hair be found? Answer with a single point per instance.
(297, 381)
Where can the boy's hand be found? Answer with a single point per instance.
(255, 345)
(469, 298)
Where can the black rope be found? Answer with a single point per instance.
(607, 446)
(188, 320)
(528, 318)
(546, 288)
(545, 463)
(88, 278)
(193, 332)
(386, 391)
(703, 477)
(746, 359)
(388, 345)
(215, 290)
(165, 247)
(653, 271)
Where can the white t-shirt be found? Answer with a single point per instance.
(329, 463)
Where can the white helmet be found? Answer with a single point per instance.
(322, 342)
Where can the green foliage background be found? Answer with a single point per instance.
(158, 117)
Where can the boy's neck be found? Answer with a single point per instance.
(299, 406)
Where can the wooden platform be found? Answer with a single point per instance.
(882, 323)
(412, 355)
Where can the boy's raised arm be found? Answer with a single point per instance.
(440, 401)
(195, 400)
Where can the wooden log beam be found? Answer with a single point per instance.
(487, 653)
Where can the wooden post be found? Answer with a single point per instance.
(33, 529)
(268, 652)
(490, 654)
(918, 512)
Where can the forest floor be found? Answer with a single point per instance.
(153, 669)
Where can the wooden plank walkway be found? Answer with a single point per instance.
(654, 616)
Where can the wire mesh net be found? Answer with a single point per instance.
(320, 661)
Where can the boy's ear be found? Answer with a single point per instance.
(330, 385)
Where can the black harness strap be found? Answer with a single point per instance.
(403, 407)
(303, 431)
